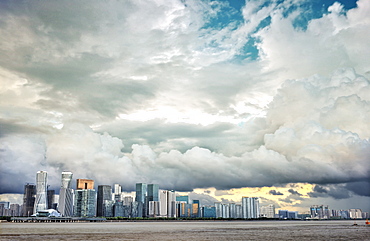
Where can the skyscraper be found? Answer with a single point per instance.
(163, 209)
(153, 192)
(104, 194)
(171, 206)
(41, 191)
(29, 199)
(218, 208)
(66, 180)
(141, 189)
(141, 199)
(250, 206)
(232, 213)
(65, 206)
(50, 197)
(85, 198)
(85, 203)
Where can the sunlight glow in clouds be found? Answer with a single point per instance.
(264, 98)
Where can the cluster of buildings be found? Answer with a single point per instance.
(149, 201)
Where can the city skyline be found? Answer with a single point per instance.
(150, 202)
(151, 194)
(220, 98)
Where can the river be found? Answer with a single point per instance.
(193, 230)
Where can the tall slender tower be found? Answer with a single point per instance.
(41, 191)
(104, 194)
(29, 199)
(66, 195)
(141, 199)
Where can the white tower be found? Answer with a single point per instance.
(66, 195)
(41, 191)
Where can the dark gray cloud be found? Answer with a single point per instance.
(334, 191)
(359, 188)
(292, 191)
(274, 192)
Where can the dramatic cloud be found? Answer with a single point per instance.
(187, 94)
(336, 192)
(274, 192)
(294, 192)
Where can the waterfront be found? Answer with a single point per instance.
(194, 230)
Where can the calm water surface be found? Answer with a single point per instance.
(216, 230)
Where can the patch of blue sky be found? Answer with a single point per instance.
(248, 52)
(227, 15)
(314, 9)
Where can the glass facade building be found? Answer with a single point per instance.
(85, 203)
(141, 197)
(29, 198)
(104, 194)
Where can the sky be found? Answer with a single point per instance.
(223, 99)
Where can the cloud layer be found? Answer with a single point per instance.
(181, 94)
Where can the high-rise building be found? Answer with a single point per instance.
(51, 199)
(355, 213)
(320, 211)
(267, 211)
(41, 191)
(195, 209)
(29, 199)
(15, 210)
(84, 205)
(218, 208)
(104, 194)
(141, 198)
(65, 206)
(238, 211)
(4, 208)
(167, 200)
(225, 210)
(163, 199)
(171, 204)
(84, 184)
(141, 190)
(153, 192)
(250, 207)
(232, 213)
